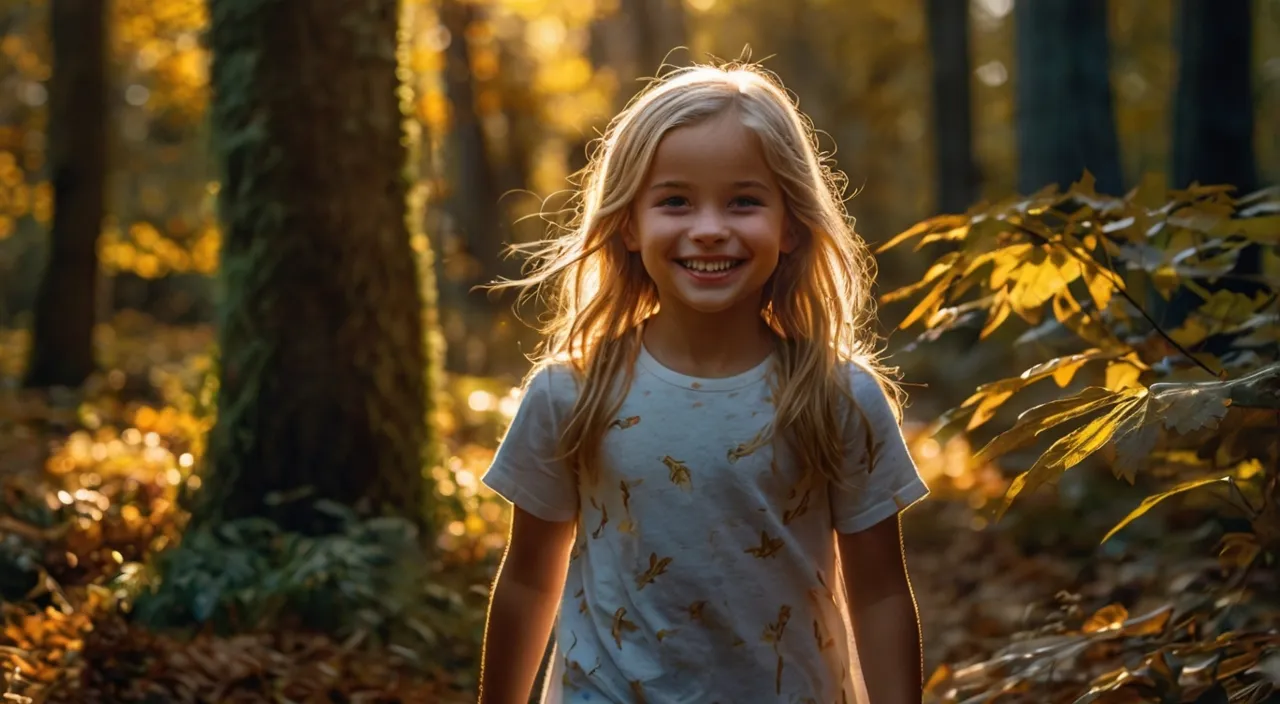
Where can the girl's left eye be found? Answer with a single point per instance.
(745, 202)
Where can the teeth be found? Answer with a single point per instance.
(701, 265)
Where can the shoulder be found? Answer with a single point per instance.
(552, 385)
(870, 395)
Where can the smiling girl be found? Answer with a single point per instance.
(707, 467)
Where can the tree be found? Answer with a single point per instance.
(1213, 106)
(956, 176)
(66, 301)
(1213, 126)
(323, 391)
(1065, 118)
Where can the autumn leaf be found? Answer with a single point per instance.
(768, 547)
(656, 567)
(1190, 406)
(1151, 501)
(1107, 618)
(1038, 419)
(1070, 450)
(621, 625)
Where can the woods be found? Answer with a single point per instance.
(248, 385)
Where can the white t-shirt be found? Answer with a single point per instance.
(702, 571)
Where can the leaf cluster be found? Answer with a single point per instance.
(1078, 270)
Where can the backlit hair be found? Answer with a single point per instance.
(818, 300)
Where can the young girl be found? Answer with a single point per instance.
(707, 446)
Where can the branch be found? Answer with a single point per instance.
(1113, 278)
(1260, 389)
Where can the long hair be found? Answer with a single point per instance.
(818, 301)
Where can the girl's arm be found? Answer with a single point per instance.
(886, 626)
(523, 606)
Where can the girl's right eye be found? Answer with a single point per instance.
(673, 202)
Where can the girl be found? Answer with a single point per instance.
(707, 445)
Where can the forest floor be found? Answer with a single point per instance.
(1031, 609)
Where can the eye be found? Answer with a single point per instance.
(673, 202)
(745, 202)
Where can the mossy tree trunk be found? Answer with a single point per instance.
(324, 387)
(66, 300)
(1065, 112)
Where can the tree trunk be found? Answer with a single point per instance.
(956, 178)
(1213, 128)
(66, 301)
(321, 330)
(1065, 117)
(1213, 108)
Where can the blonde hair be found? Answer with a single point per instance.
(818, 301)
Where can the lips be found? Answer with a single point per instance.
(710, 266)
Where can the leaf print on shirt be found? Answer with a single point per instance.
(624, 423)
(621, 625)
(768, 547)
(801, 508)
(749, 447)
(628, 524)
(777, 680)
(823, 643)
(664, 633)
(773, 631)
(695, 610)
(604, 518)
(656, 567)
(679, 473)
(637, 691)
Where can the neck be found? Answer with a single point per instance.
(709, 346)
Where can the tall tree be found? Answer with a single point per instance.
(66, 301)
(1213, 107)
(323, 353)
(1065, 117)
(956, 177)
(1213, 126)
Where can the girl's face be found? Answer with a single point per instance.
(709, 219)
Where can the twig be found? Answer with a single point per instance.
(1113, 278)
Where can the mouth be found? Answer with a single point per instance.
(710, 266)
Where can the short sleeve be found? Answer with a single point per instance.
(524, 469)
(880, 478)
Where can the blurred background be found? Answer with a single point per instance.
(108, 408)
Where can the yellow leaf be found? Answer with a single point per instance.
(987, 408)
(1070, 450)
(998, 314)
(1100, 285)
(930, 302)
(1038, 419)
(1123, 374)
(1151, 501)
(1108, 618)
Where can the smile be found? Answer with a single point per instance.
(710, 266)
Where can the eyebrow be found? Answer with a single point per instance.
(736, 184)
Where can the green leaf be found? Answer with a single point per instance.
(1070, 450)
(1151, 501)
(1037, 419)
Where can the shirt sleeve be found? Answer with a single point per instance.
(880, 478)
(525, 470)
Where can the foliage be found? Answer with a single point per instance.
(87, 522)
(1178, 410)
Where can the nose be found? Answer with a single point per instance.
(709, 227)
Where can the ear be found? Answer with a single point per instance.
(629, 236)
(790, 238)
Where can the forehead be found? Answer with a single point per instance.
(714, 150)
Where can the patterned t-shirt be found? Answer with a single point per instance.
(704, 568)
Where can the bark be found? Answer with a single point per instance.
(956, 173)
(66, 300)
(1213, 107)
(1065, 117)
(324, 386)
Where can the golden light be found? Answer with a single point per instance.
(480, 401)
(186, 460)
(457, 529)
